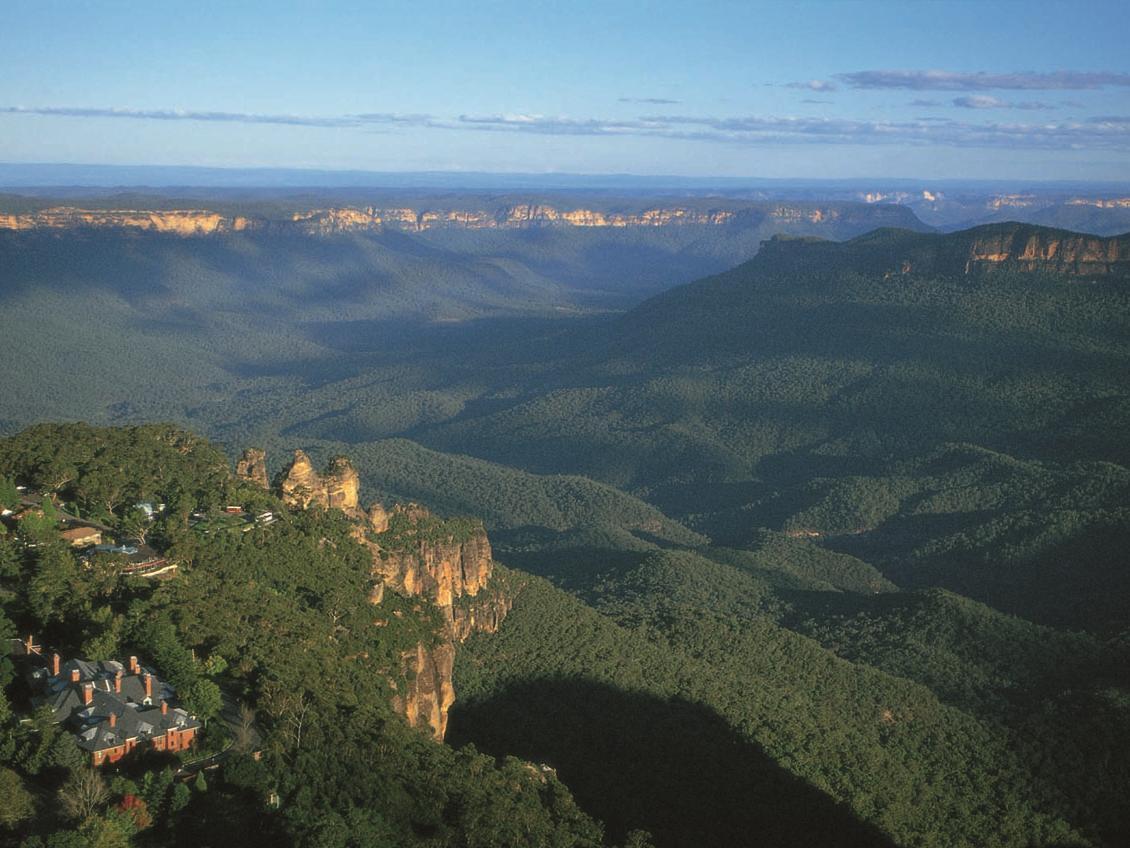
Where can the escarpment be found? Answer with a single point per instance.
(472, 215)
(446, 562)
(1038, 249)
(980, 251)
(418, 554)
(181, 222)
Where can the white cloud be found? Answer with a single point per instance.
(935, 80)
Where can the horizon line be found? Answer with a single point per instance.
(685, 180)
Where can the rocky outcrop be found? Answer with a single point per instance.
(420, 555)
(378, 518)
(301, 486)
(252, 466)
(448, 563)
(482, 614)
(417, 555)
(426, 693)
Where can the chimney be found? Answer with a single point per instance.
(56, 660)
(113, 719)
(75, 675)
(134, 668)
(164, 708)
(148, 685)
(118, 682)
(87, 693)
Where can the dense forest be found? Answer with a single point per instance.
(278, 620)
(827, 548)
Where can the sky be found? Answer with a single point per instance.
(933, 90)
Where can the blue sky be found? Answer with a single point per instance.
(1023, 90)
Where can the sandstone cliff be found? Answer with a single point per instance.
(448, 563)
(980, 251)
(181, 222)
(427, 692)
(1052, 251)
(252, 466)
(331, 220)
(415, 554)
(301, 486)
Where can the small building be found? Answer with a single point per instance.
(112, 708)
(82, 537)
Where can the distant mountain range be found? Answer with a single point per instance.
(798, 527)
(156, 214)
(1100, 208)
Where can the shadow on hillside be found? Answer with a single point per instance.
(674, 768)
(576, 567)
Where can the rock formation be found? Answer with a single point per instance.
(449, 564)
(338, 488)
(421, 555)
(331, 220)
(181, 222)
(415, 554)
(427, 693)
(378, 518)
(980, 251)
(252, 466)
(1039, 249)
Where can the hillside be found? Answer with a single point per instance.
(684, 704)
(817, 531)
(307, 682)
(106, 296)
(893, 397)
(823, 390)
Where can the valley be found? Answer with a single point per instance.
(811, 524)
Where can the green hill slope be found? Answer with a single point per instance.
(686, 699)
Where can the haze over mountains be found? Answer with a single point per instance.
(800, 500)
(1100, 208)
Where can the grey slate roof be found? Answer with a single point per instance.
(137, 716)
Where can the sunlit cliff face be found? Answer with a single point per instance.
(182, 222)
(1076, 254)
(196, 222)
(1101, 203)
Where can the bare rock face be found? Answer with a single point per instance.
(428, 694)
(449, 563)
(415, 554)
(252, 466)
(484, 614)
(419, 554)
(378, 518)
(300, 483)
(1032, 249)
(302, 486)
(342, 485)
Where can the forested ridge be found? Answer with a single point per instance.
(821, 548)
(277, 620)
